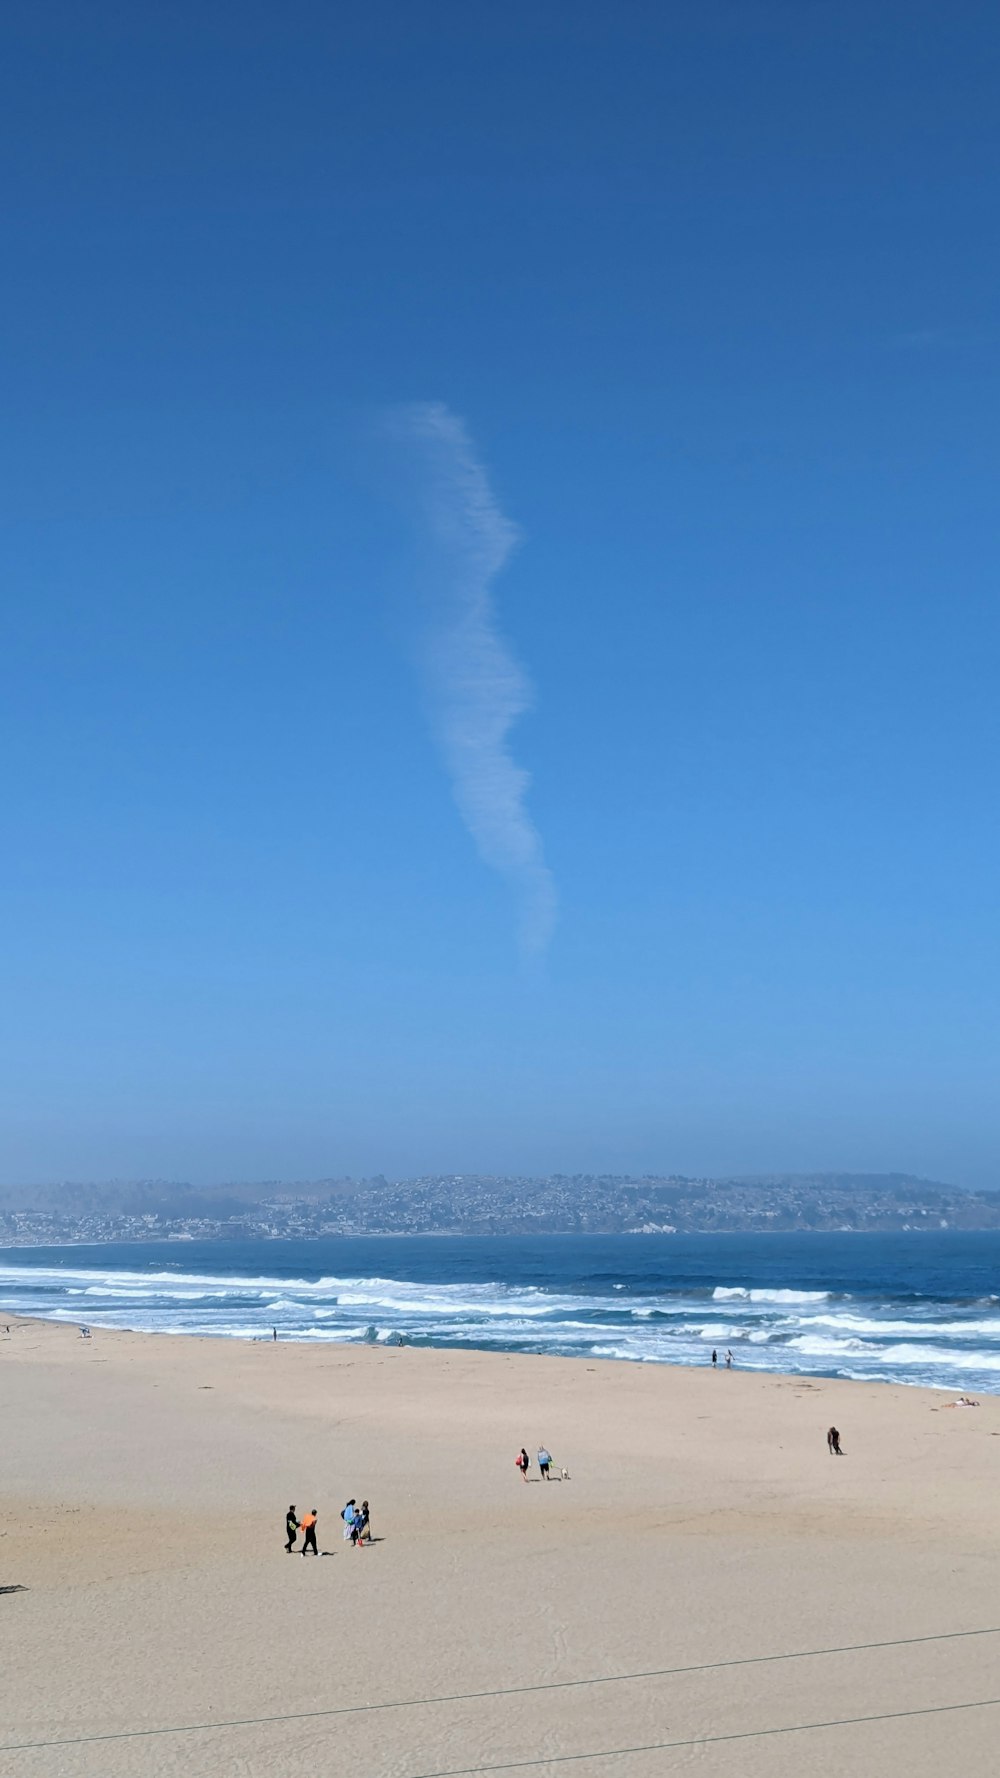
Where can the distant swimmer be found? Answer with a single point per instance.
(523, 1462)
(833, 1442)
(291, 1529)
(309, 1528)
(544, 1459)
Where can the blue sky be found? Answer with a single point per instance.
(705, 296)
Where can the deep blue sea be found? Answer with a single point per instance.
(919, 1308)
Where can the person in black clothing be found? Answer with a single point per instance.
(291, 1529)
(833, 1442)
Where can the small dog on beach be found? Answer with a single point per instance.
(564, 1475)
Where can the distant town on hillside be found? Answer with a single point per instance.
(484, 1204)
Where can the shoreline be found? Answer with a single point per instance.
(941, 1234)
(494, 1354)
(493, 1350)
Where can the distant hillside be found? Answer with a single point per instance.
(484, 1204)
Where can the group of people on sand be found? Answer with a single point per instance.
(543, 1459)
(356, 1521)
(357, 1524)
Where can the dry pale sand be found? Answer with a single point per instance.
(144, 1484)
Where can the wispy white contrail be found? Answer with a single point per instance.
(478, 688)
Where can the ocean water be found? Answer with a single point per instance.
(921, 1308)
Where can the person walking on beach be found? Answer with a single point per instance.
(348, 1517)
(544, 1459)
(364, 1529)
(833, 1442)
(291, 1529)
(309, 1527)
(523, 1462)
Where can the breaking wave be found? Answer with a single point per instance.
(730, 1294)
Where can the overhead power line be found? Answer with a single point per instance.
(517, 1691)
(792, 1728)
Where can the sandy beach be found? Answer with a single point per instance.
(142, 1501)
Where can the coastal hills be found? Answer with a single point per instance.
(487, 1204)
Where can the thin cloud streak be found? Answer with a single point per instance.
(477, 687)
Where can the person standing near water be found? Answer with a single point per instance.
(715, 1359)
(291, 1529)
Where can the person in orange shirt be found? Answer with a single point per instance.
(308, 1523)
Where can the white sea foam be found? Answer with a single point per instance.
(821, 1346)
(736, 1293)
(937, 1355)
(915, 1329)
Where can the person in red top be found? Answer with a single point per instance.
(308, 1524)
